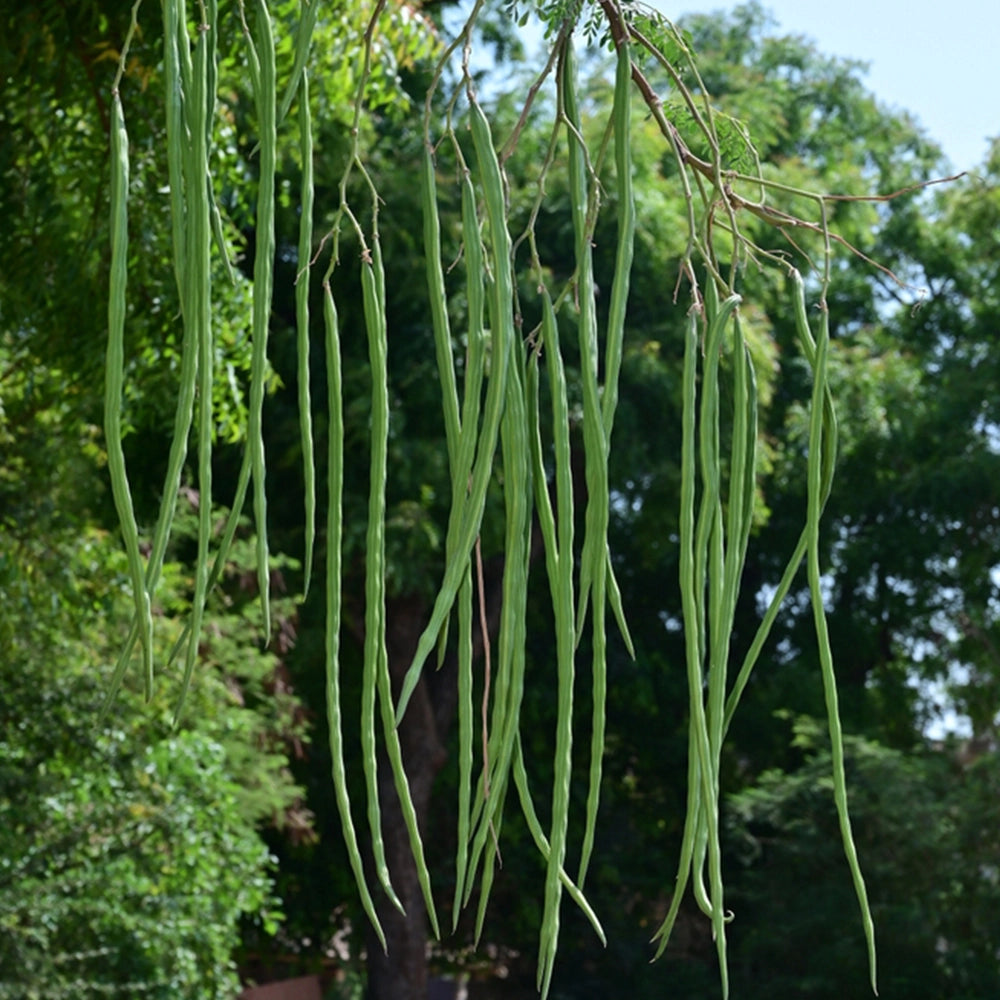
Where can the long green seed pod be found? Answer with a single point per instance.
(807, 345)
(187, 379)
(198, 313)
(113, 384)
(395, 755)
(262, 62)
(541, 842)
(218, 234)
(502, 339)
(439, 306)
(615, 345)
(511, 639)
(517, 481)
(471, 403)
(302, 325)
(685, 862)
(176, 137)
(708, 845)
(594, 557)
(561, 585)
(815, 500)
(557, 538)
(489, 871)
(374, 652)
(614, 349)
(710, 544)
(373, 279)
(442, 343)
(475, 367)
(465, 754)
(334, 544)
(308, 12)
(710, 564)
(593, 561)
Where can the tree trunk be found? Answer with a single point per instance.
(400, 973)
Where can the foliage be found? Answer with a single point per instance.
(908, 540)
(796, 100)
(922, 820)
(125, 873)
(129, 851)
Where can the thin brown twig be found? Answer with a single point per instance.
(511, 144)
(780, 220)
(896, 194)
(619, 33)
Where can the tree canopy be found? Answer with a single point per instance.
(574, 351)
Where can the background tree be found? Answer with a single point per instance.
(808, 115)
(129, 851)
(935, 927)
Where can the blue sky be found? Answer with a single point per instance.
(940, 61)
